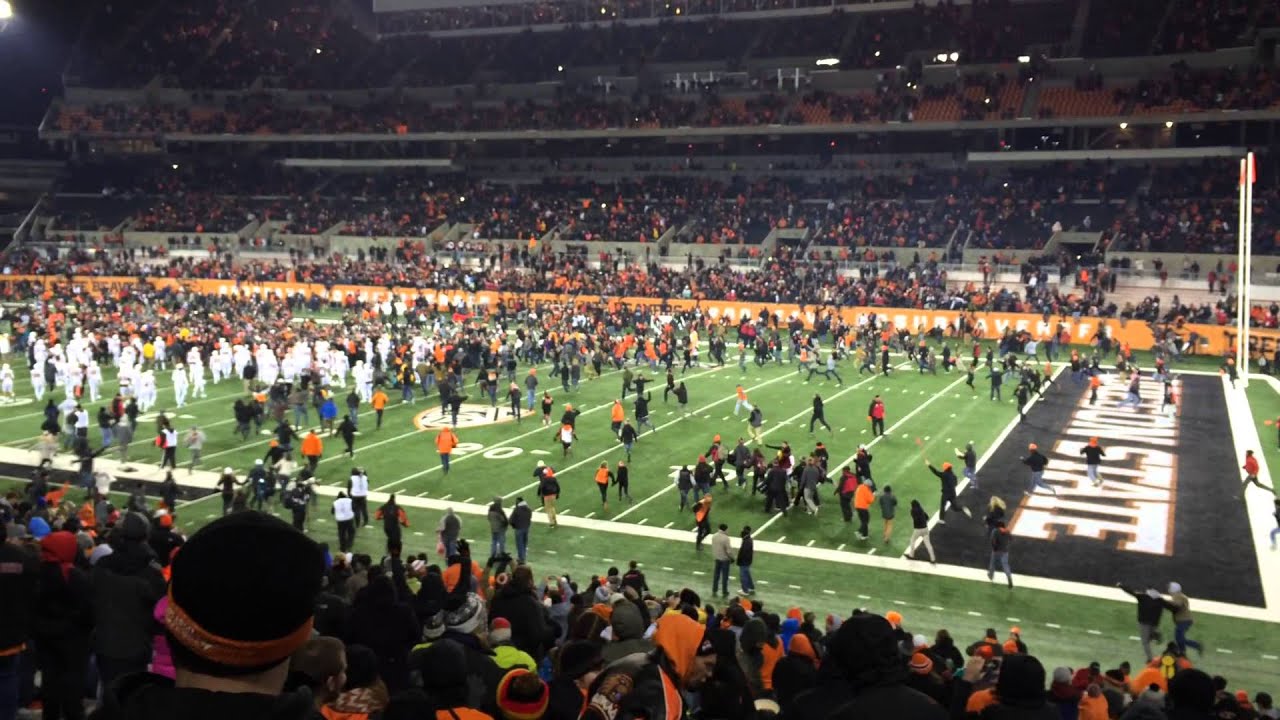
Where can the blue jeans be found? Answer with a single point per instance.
(444, 462)
(720, 578)
(522, 544)
(450, 548)
(1003, 559)
(530, 396)
(744, 577)
(1180, 637)
(107, 437)
(1037, 481)
(9, 687)
(497, 544)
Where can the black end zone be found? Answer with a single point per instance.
(1171, 507)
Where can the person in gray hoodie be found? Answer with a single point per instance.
(628, 623)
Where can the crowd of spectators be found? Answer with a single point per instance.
(1185, 207)
(215, 44)
(1198, 211)
(412, 636)
(971, 97)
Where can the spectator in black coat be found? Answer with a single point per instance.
(126, 585)
(864, 676)
(1020, 690)
(387, 626)
(517, 601)
(62, 626)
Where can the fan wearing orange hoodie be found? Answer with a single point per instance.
(649, 686)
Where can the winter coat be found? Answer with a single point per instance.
(746, 551)
(388, 627)
(152, 697)
(497, 519)
(126, 585)
(531, 629)
(890, 701)
(521, 516)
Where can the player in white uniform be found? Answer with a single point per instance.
(180, 385)
(196, 371)
(6, 382)
(93, 377)
(146, 390)
(161, 356)
(339, 366)
(113, 349)
(362, 375)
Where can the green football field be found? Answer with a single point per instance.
(497, 460)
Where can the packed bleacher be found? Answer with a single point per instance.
(1190, 209)
(972, 97)
(212, 44)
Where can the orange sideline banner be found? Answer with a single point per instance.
(1212, 339)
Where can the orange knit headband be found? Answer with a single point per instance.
(225, 651)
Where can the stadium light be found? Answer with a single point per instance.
(559, 68)
(6, 10)
(877, 53)
(940, 57)
(828, 62)
(1024, 59)
(955, 56)
(1168, 124)
(1124, 126)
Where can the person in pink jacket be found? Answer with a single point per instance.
(161, 660)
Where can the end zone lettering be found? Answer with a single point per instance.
(1136, 504)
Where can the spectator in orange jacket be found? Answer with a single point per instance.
(446, 441)
(379, 403)
(312, 449)
(863, 498)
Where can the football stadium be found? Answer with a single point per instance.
(711, 360)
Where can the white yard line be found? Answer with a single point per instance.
(1259, 503)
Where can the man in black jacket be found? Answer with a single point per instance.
(1036, 463)
(633, 578)
(521, 519)
(948, 478)
(230, 663)
(746, 555)
(126, 585)
(1151, 607)
(864, 675)
(19, 574)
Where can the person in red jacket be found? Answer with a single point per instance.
(846, 488)
(1251, 470)
(875, 413)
